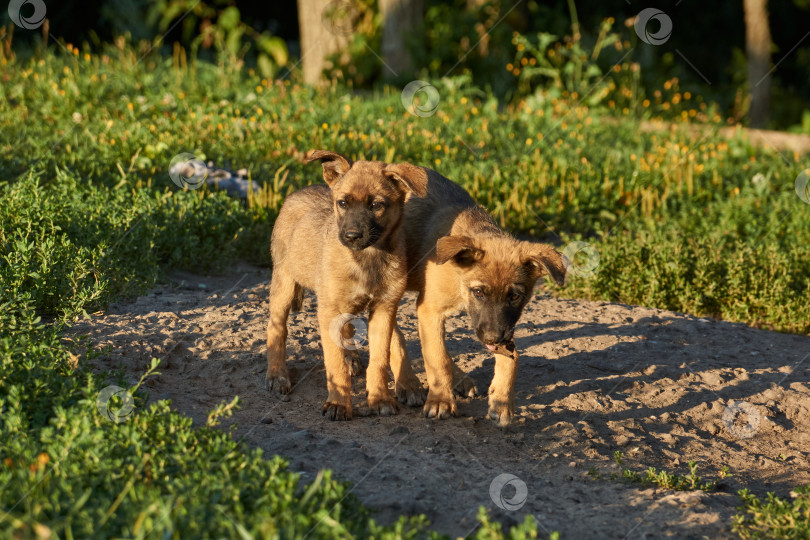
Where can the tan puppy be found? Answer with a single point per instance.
(346, 243)
(458, 258)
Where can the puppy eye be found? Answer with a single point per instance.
(377, 205)
(478, 292)
(515, 297)
(342, 204)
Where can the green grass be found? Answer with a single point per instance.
(775, 517)
(88, 214)
(665, 479)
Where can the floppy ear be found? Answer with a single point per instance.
(543, 259)
(334, 165)
(410, 178)
(459, 249)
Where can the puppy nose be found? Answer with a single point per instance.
(492, 337)
(352, 235)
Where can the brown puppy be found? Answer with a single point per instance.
(458, 258)
(345, 242)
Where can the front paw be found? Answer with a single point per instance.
(337, 411)
(277, 382)
(464, 386)
(440, 406)
(383, 405)
(411, 394)
(501, 410)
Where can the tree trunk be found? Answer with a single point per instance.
(400, 19)
(758, 50)
(326, 27)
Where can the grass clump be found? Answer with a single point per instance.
(664, 479)
(774, 517)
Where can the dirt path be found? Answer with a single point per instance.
(594, 378)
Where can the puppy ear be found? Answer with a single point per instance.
(543, 259)
(411, 179)
(334, 165)
(459, 249)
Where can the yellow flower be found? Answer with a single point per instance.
(528, 142)
(437, 161)
(645, 103)
(130, 106)
(324, 126)
(463, 101)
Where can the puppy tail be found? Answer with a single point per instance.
(298, 298)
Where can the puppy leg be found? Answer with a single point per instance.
(283, 291)
(380, 326)
(409, 389)
(440, 402)
(338, 404)
(502, 390)
(348, 333)
(463, 385)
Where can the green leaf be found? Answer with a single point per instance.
(275, 47)
(229, 18)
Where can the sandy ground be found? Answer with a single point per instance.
(594, 378)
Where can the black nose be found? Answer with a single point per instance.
(492, 337)
(351, 236)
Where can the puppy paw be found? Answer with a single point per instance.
(412, 395)
(465, 387)
(337, 411)
(278, 383)
(383, 406)
(500, 411)
(440, 407)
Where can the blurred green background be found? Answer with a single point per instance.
(706, 51)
